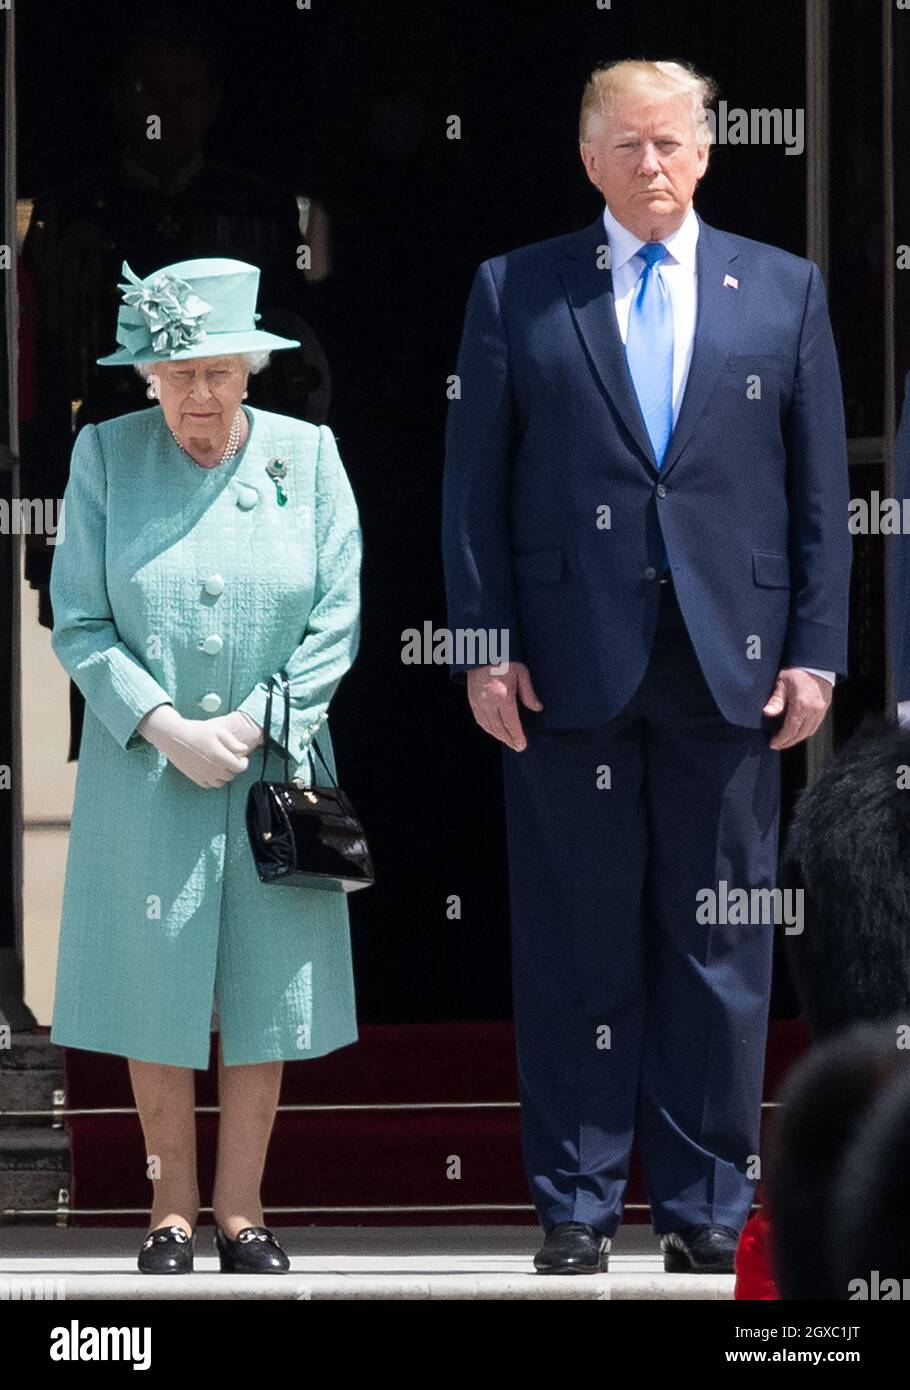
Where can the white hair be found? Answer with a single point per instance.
(606, 84)
(254, 361)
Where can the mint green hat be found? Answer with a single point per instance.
(203, 308)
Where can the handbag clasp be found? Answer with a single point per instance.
(310, 796)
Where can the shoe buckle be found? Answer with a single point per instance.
(168, 1233)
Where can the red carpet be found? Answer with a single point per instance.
(427, 1161)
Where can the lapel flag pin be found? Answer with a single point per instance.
(731, 282)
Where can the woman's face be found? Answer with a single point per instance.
(200, 396)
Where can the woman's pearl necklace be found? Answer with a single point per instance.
(230, 449)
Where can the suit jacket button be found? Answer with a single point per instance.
(212, 645)
(650, 572)
(247, 497)
(214, 585)
(211, 703)
(661, 490)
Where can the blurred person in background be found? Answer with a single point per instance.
(848, 856)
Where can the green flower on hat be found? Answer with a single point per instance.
(167, 312)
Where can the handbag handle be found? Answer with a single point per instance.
(286, 731)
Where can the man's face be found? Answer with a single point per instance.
(643, 156)
(175, 86)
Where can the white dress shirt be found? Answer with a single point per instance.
(679, 271)
(680, 275)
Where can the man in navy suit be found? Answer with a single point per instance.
(646, 495)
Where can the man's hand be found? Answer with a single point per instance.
(494, 701)
(804, 698)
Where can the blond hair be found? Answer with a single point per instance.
(606, 84)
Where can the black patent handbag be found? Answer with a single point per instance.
(306, 837)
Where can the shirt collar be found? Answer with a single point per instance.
(624, 244)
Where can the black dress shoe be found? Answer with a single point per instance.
(254, 1250)
(573, 1248)
(700, 1250)
(167, 1250)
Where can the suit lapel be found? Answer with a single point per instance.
(590, 294)
(719, 307)
(589, 290)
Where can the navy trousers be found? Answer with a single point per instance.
(632, 1016)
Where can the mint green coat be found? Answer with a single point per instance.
(177, 583)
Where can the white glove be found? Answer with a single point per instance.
(245, 728)
(903, 713)
(210, 752)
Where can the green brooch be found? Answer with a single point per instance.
(277, 469)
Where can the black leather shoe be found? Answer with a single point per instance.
(254, 1250)
(167, 1250)
(699, 1250)
(573, 1248)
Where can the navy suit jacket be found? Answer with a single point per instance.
(751, 501)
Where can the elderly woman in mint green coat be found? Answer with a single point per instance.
(206, 545)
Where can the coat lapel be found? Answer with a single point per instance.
(719, 309)
(590, 294)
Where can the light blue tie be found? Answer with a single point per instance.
(649, 349)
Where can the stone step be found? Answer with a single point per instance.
(31, 1070)
(31, 1050)
(34, 1156)
(345, 1263)
(34, 1166)
(24, 1090)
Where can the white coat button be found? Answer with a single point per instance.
(212, 645)
(247, 497)
(211, 703)
(214, 585)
